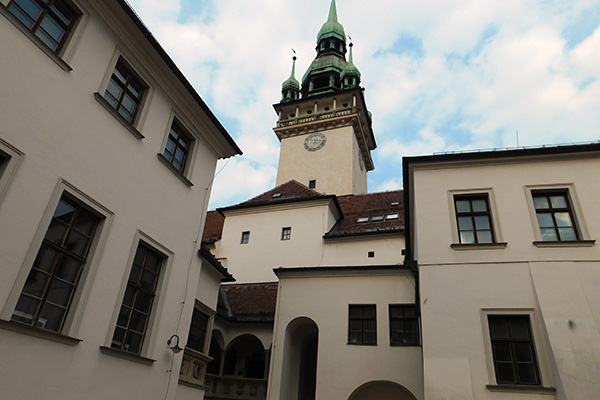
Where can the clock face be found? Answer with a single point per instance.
(314, 141)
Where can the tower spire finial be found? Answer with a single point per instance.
(332, 12)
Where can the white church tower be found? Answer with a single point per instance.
(324, 126)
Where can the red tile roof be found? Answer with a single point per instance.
(251, 302)
(382, 212)
(213, 227)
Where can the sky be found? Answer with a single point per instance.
(439, 75)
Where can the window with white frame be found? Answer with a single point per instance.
(140, 293)
(513, 349)
(52, 21)
(50, 287)
(555, 216)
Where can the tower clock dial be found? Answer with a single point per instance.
(314, 141)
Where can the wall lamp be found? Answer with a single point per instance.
(173, 344)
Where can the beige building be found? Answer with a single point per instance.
(107, 156)
(508, 269)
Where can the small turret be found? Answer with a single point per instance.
(350, 76)
(290, 89)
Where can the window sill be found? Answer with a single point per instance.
(569, 243)
(39, 333)
(521, 389)
(478, 246)
(174, 170)
(37, 41)
(405, 344)
(137, 134)
(126, 356)
(361, 344)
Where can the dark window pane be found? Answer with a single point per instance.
(59, 292)
(369, 312)
(36, 283)
(465, 223)
(498, 328)
(51, 317)
(519, 328)
(527, 374)
(77, 243)
(45, 259)
(124, 314)
(502, 352)
(56, 232)
(505, 373)
(479, 205)
(25, 309)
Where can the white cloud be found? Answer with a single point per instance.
(485, 69)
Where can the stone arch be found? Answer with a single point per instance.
(299, 371)
(381, 390)
(216, 351)
(245, 357)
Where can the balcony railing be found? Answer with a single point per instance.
(232, 387)
(316, 117)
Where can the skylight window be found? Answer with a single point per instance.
(377, 218)
(395, 203)
(277, 195)
(363, 219)
(392, 216)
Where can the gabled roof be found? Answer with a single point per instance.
(289, 192)
(251, 302)
(213, 227)
(372, 213)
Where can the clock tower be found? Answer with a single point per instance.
(324, 126)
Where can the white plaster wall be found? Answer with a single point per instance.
(52, 116)
(341, 368)
(355, 251)
(254, 261)
(558, 284)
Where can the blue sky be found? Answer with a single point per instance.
(438, 75)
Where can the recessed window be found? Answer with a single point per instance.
(286, 233)
(312, 184)
(50, 20)
(132, 323)
(50, 287)
(555, 215)
(309, 111)
(125, 91)
(474, 219)
(178, 146)
(513, 350)
(245, 237)
(362, 324)
(371, 254)
(198, 331)
(404, 324)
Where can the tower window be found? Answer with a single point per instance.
(312, 184)
(245, 237)
(286, 233)
(371, 254)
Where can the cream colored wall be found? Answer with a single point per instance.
(334, 166)
(355, 250)
(254, 261)
(555, 285)
(341, 368)
(52, 117)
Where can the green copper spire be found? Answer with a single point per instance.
(332, 28)
(290, 89)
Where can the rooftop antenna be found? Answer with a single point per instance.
(517, 134)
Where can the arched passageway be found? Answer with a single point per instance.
(381, 390)
(245, 357)
(299, 375)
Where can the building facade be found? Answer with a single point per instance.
(106, 159)
(508, 269)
